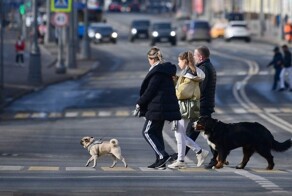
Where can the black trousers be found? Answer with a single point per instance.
(152, 133)
(19, 58)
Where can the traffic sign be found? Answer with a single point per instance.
(61, 5)
(60, 19)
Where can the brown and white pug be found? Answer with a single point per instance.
(99, 148)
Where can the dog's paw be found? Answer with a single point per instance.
(86, 165)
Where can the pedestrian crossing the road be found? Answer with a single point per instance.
(126, 112)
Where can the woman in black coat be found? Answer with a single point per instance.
(158, 103)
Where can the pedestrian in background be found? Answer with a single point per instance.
(277, 63)
(157, 103)
(188, 94)
(19, 50)
(287, 69)
(208, 88)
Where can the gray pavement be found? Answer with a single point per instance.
(16, 83)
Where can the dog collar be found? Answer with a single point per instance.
(93, 143)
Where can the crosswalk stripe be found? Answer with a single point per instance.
(286, 110)
(11, 168)
(79, 169)
(117, 169)
(239, 110)
(71, 114)
(122, 113)
(39, 115)
(194, 169)
(22, 115)
(55, 115)
(104, 113)
(43, 168)
(88, 114)
(268, 171)
(271, 110)
(146, 169)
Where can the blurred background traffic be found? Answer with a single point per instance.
(216, 17)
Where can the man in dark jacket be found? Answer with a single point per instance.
(287, 68)
(277, 63)
(208, 88)
(158, 103)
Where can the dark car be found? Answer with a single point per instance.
(101, 32)
(139, 29)
(162, 32)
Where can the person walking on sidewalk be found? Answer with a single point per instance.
(287, 68)
(277, 63)
(208, 88)
(19, 49)
(188, 94)
(157, 103)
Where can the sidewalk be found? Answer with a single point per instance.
(16, 82)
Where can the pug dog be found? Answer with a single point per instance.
(97, 148)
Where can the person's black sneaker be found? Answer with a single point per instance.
(281, 90)
(173, 157)
(152, 166)
(210, 165)
(162, 162)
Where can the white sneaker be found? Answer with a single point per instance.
(177, 165)
(201, 157)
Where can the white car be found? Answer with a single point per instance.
(237, 30)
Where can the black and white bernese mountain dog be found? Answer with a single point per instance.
(251, 136)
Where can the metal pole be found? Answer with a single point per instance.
(34, 74)
(85, 40)
(71, 45)
(262, 19)
(60, 67)
(1, 55)
(280, 30)
(49, 34)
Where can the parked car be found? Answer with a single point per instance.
(237, 30)
(218, 29)
(139, 29)
(162, 32)
(101, 32)
(198, 30)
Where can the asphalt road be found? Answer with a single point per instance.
(40, 152)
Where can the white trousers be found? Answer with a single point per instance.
(285, 70)
(183, 140)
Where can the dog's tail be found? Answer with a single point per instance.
(281, 146)
(114, 142)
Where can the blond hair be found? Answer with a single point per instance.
(155, 53)
(189, 58)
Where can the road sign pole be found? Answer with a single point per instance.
(71, 45)
(2, 97)
(85, 50)
(60, 66)
(49, 34)
(35, 74)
